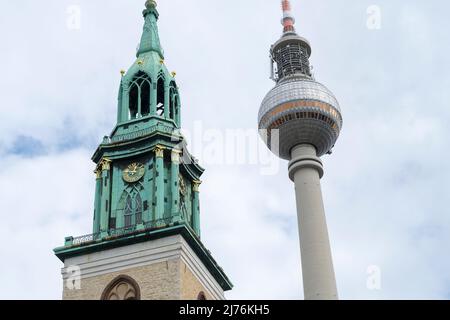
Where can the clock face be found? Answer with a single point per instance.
(134, 172)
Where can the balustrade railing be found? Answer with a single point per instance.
(121, 232)
(85, 239)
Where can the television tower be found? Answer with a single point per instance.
(300, 121)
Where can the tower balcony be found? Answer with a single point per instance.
(117, 233)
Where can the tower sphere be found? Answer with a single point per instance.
(304, 111)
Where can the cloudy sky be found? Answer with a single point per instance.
(386, 185)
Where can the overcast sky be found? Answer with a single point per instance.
(386, 186)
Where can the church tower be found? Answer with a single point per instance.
(145, 242)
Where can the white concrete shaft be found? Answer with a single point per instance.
(306, 169)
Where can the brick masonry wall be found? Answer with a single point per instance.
(168, 280)
(190, 286)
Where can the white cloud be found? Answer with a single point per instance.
(43, 200)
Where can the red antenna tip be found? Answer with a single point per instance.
(288, 20)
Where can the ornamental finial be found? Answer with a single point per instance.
(150, 4)
(288, 20)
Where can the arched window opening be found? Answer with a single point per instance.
(140, 92)
(138, 208)
(201, 296)
(132, 205)
(122, 288)
(160, 97)
(128, 212)
(134, 94)
(177, 108)
(145, 99)
(172, 105)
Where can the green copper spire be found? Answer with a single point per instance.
(148, 92)
(146, 178)
(147, 184)
(150, 36)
